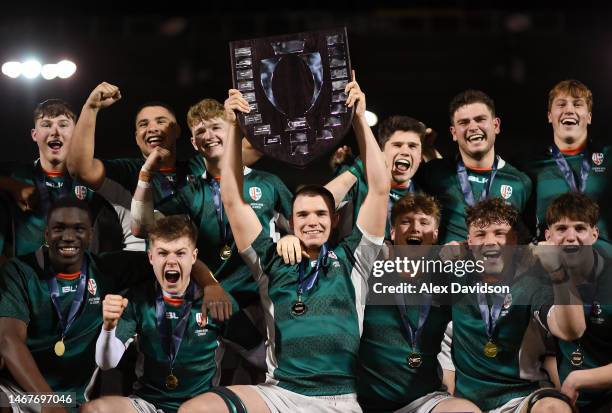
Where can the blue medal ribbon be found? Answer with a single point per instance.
(224, 228)
(490, 314)
(413, 336)
(77, 300)
(466, 188)
(306, 282)
(172, 344)
(568, 175)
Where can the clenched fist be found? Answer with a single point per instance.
(112, 308)
(103, 96)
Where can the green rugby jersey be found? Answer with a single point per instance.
(314, 354)
(267, 196)
(197, 361)
(29, 227)
(520, 338)
(438, 178)
(25, 295)
(596, 343)
(196, 165)
(385, 381)
(5, 224)
(357, 194)
(549, 183)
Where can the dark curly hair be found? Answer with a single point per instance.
(491, 211)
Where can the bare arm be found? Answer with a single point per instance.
(18, 358)
(245, 225)
(373, 213)
(599, 378)
(81, 162)
(340, 185)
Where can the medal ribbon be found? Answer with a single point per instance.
(568, 175)
(224, 228)
(305, 283)
(66, 322)
(172, 344)
(414, 337)
(43, 190)
(466, 188)
(490, 315)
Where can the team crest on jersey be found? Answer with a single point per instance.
(507, 301)
(255, 193)
(200, 319)
(80, 192)
(91, 286)
(598, 158)
(332, 254)
(506, 191)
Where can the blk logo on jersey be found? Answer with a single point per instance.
(255, 193)
(598, 158)
(91, 286)
(171, 315)
(80, 192)
(506, 191)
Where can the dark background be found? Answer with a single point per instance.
(409, 60)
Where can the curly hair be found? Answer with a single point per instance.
(491, 211)
(205, 109)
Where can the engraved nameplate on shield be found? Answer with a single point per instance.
(294, 84)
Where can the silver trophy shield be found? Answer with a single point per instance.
(294, 84)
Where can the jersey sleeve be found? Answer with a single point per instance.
(362, 249)
(14, 299)
(127, 325)
(261, 256)
(123, 171)
(178, 203)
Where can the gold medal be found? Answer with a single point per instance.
(577, 358)
(414, 360)
(490, 349)
(171, 382)
(225, 253)
(60, 348)
(299, 308)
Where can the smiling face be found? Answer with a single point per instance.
(403, 155)
(172, 262)
(156, 126)
(414, 228)
(312, 221)
(52, 135)
(68, 234)
(575, 237)
(487, 243)
(208, 137)
(474, 129)
(569, 117)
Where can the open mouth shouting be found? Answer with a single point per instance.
(571, 249)
(414, 240)
(491, 254)
(172, 276)
(55, 145)
(402, 165)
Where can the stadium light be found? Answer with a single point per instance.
(12, 69)
(32, 68)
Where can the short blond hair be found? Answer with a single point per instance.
(573, 88)
(205, 109)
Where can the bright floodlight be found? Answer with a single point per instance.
(371, 118)
(12, 69)
(49, 71)
(31, 68)
(65, 69)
